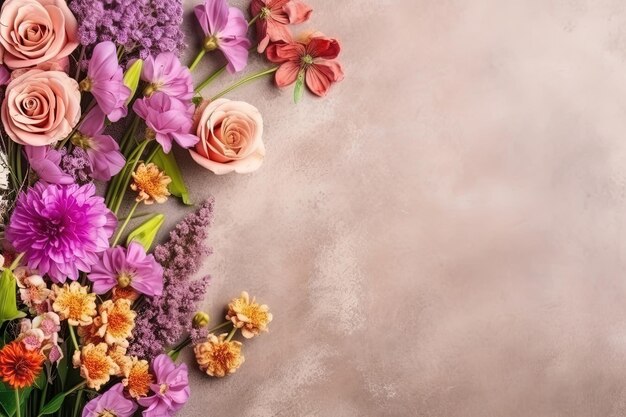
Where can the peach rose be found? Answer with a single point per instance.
(40, 107)
(230, 135)
(36, 31)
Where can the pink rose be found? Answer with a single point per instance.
(230, 135)
(36, 31)
(40, 107)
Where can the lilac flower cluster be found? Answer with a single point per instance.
(146, 27)
(76, 163)
(163, 321)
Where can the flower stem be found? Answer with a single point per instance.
(245, 80)
(231, 334)
(197, 60)
(254, 19)
(210, 78)
(187, 341)
(120, 188)
(18, 409)
(79, 398)
(16, 261)
(130, 215)
(73, 336)
(80, 58)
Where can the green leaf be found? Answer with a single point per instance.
(8, 301)
(177, 187)
(147, 231)
(7, 399)
(54, 404)
(299, 89)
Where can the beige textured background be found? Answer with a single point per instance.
(443, 235)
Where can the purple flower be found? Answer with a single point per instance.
(165, 73)
(75, 162)
(163, 321)
(125, 267)
(46, 162)
(105, 80)
(61, 229)
(171, 390)
(104, 154)
(225, 28)
(168, 119)
(111, 403)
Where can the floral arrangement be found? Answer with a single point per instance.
(94, 100)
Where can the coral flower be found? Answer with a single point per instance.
(150, 183)
(166, 74)
(138, 378)
(33, 289)
(61, 229)
(171, 389)
(313, 60)
(128, 267)
(96, 367)
(219, 357)
(274, 16)
(110, 404)
(19, 367)
(225, 29)
(74, 303)
(116, 322)
(248, 316)
(105, 80)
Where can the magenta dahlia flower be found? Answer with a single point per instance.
(61, 229)
(171, 390)
(127, 266)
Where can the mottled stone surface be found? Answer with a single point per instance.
(443, 235)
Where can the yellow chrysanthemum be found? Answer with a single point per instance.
(219, 357)
(138, 378)
(248, 315)
(150, 183)
(116, 321)
(118, 354)
(74, 303)
(96, 367)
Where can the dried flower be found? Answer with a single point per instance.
(116, 322)
(219, 357)
(138, 378)
(74, 303)
(19, 367)
(248, 315)
(96, 367)
(151, 184)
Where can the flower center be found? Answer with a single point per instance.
(265, 13)
(163, 388)
(80, 140)
(210, 43)
(150, 134)
(307, 60)
(151, 89)
(107, 413)
(124, 279)
(85, 85)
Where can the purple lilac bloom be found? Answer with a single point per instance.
(103, 152)
(171, 390)
(163, 321)
(111, 403)
(168, 119)
(127, 266)
(142, 27)
(76, 164)
(226, 29)
(105, 81)
(61, 229)
(165, 73)
(46, 162)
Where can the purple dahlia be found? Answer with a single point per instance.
(61, 229)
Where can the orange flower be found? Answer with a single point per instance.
(219, 357)
(19, 367)
(138, 378)
(249, 316)
(95, 365)
(74, 303)
(116, 321)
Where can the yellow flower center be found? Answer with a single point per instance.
(163, 388)
(124, 279)
(265, 13)
(210, 43)
(85, 85)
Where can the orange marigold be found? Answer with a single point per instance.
(138, 378)
(19, 367)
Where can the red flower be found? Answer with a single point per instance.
(313, 60)
(273, 18)
(19, 367)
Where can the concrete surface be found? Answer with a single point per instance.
(443, 235)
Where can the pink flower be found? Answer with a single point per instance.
(165, 73)
(168, 119)
(171, 390)
(111, 403)
(103, 151)
(40, 107)
(313, 59)
(32, 288)
(274, 18)
(230, 135)
(127, 267)
(36, 31)
(225, 29)
(46, 161)
(105, 80)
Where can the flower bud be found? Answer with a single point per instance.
(132, 76)
(201, 319)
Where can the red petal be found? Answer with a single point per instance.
(320, 76)
(287, 74)
(326, 48)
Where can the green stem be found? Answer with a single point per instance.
(231, 334)
(254, 19)
(44, 393)
(80, 121)
(210, 78)
(130, 215)
(80, 58)
(127, 139)
(197, 60)
(114, 187)
(18, 408)
(16, 261)
(73, 336)
(76, 387)
(245, 81)
(118, 196)
(79, 397)
(187, 341)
